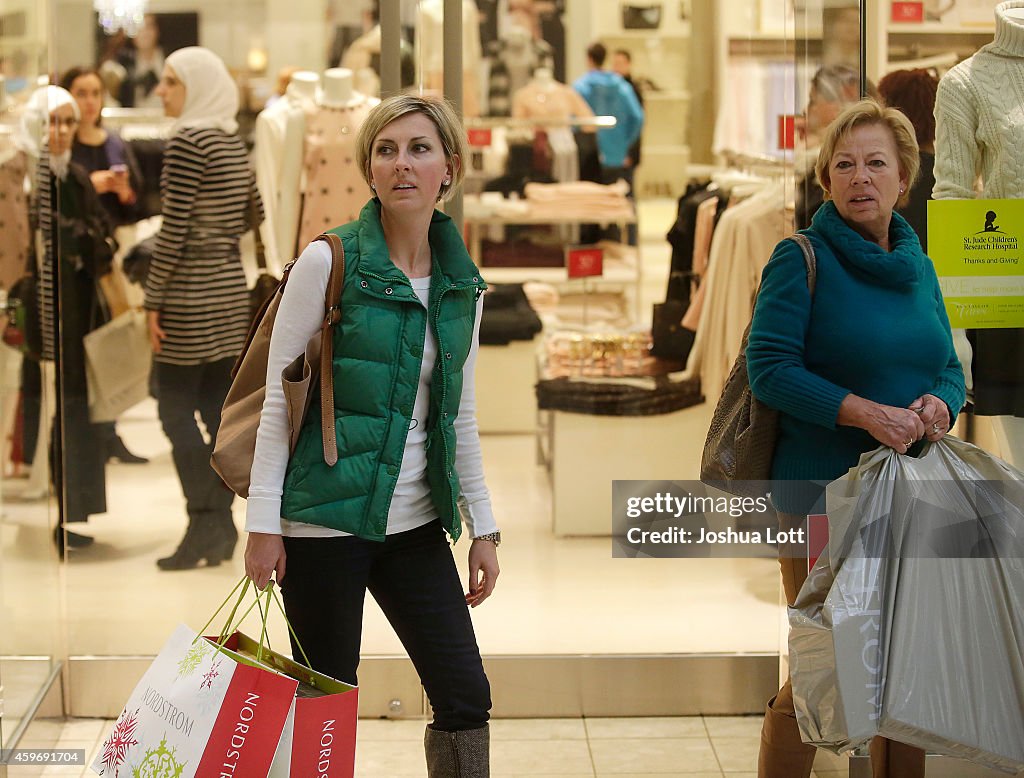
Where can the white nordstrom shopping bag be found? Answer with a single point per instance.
(198, 711)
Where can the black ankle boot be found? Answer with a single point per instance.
(116, 449)
(199, 544)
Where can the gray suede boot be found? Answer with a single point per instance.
(464, 754)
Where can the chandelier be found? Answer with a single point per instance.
(124, 15)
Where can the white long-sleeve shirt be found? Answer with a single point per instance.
(298, 319)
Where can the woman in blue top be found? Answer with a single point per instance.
(869, 361)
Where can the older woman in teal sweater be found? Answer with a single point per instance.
(868, 361)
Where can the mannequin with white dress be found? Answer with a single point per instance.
(280, 141)
(979, 133)
(334, 190)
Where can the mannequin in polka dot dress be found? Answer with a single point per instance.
(335, 191)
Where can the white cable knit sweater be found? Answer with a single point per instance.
(979, 118)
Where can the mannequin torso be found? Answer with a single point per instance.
(338, 91)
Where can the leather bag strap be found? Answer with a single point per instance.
(332, 315)
(254, 220)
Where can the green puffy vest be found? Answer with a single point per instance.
(378, 351)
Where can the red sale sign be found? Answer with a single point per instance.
(479, 136)
(585, 262)
(787, 132)
(907, 12)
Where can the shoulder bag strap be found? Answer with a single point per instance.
(809, 259)
(332, 315)
(254, 220)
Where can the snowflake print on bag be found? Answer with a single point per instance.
(159, 762)
(210, 675)
(194, 658)
(115, 748)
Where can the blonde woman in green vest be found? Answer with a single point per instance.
(409, 470)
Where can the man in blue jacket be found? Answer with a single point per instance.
(609, 94)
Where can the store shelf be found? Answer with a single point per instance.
(653, 36)
(665, 95)
(940, 28)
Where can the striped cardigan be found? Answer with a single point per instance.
(196, 280)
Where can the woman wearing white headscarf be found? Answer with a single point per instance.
(78, 248)
(196, 292)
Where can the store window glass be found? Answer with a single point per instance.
(30, 605)
(676, 138)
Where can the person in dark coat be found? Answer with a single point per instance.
(78, 248)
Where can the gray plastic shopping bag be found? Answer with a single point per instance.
(911, 626)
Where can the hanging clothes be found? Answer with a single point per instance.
(335, 189)
(681, 238)
(743, 241)
(510, 63)
(279, 152)
(707, 212)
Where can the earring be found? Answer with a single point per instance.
(373, 187)
(446, 183)
(901, 190)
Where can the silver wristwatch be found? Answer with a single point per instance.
(494, 537)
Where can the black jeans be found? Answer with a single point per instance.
(413, 578)
(183, 390)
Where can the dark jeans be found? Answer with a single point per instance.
(413, 578)
(183, 390)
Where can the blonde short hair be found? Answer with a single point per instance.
(449, 129)
(866, 112)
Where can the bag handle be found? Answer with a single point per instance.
(332, 315)
(232, 624)
(810, 260)
(255, 220)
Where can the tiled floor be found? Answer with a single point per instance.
(693, 747)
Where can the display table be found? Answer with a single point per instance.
(585, 453)
(505, 379)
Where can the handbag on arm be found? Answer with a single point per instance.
(235, 445)
(265, 284)
(741, 439)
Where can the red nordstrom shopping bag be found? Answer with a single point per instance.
(319, 736)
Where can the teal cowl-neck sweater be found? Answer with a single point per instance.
(877, 328)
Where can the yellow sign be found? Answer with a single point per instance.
(978, 250)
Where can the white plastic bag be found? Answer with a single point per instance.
(911, 626)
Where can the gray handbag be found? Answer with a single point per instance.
(741, 439)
